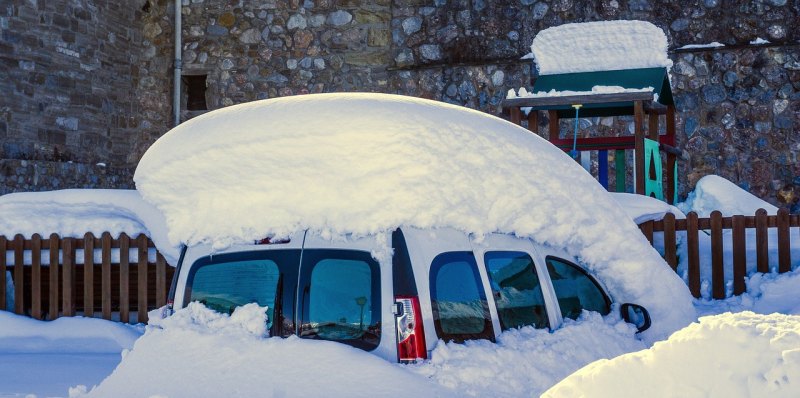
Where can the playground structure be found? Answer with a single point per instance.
(643, 93)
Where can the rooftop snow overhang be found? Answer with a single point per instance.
(603, 104)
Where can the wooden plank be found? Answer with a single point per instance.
(647, 230)
(533, 121)
(54, 266)
(3, 267)
(762, 242)
(652, 126)
(19, 269)
(669, 137)
(717, 269)
(141, 308)
(739, 254)
(36, 276)
(124, 278)
(693, 254)
(577, 99)
(161, 281)
(106, 274)
(619, 169)
(670, 243)
(639, 147)
(88, 275)
(552, 125)
(671, 178)
(68, 280)
(784, 247)
(516, 116)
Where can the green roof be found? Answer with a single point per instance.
(584, 81)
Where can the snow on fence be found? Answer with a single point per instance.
(93, 276)
(740, 226)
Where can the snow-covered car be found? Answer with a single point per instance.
(437, 285)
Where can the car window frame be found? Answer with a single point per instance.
(543, 285)
(582, 270)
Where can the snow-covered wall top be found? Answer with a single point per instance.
(598, 46)
(367, 163)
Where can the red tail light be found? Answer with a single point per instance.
(410, 334)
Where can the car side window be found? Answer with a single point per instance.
(575, 289)
(516, 289)
(341, 297)
(460, 310)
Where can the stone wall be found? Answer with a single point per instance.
(738, 105)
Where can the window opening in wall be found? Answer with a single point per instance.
(195, 92)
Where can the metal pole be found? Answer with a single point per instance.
(176, 100)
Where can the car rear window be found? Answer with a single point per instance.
(460, 310)
(575, 289)
(516, 288)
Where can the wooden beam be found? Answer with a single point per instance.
(553, 125)
(515, 115)
(652, 128)
(535, 102)
(669, 137)
(638, 121)
(533, 121)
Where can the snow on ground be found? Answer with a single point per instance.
(266, 168)
(46, 358)
(596, 46)
(766, 294)
(728, 355)
(74, 212)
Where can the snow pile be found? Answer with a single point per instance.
(20, 334)
(713, 192)
(74, 212)
(367, 163)
(527, 361)
(598, 46)
(523, 93)
(199, 353)
(728, 355)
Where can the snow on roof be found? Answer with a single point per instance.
(727, 355)
(74, 212)
(598, 46)
(713, 44)
(368, 163)
(523, 93)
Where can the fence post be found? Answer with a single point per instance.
(54, 266)
(647, 230)
(19, 271)
(693, 254)
(141, 243)
(105, 274)
(762, 242)
(68, 284)
(124, 278)
(670, 244)
(88, 275)
(784, 247)
(36, 276)
(739, 254)
(717, 270)
(3, 273)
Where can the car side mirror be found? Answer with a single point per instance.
(636, 315)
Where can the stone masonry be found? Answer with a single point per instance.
(91, 81)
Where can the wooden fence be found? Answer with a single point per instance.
(715, 225)
(111, 286)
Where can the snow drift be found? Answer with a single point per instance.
(603, 45)
(728, 355)
(368, 163)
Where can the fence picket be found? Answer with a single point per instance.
(19, 272)
(670, 243)
(784, 247)
(124, 278)
(3, 273)
(68, 281)
(717, 253)
(693, 253)
(36, 276)
(647, 230)
(53, 274)
(762, 243)
(105, 271)
(141, 295)
(739, 254)
(88, 275)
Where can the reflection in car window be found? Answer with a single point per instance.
(575, 289)
(516, 288)
(341, 298)
(460, 311)
(225, 286)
